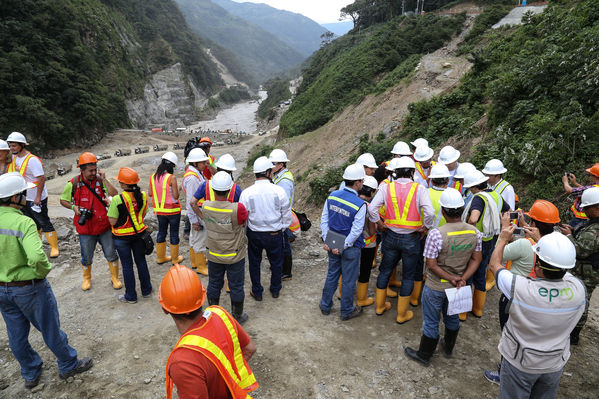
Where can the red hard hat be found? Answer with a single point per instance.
(128, 176)
(594, 170)
(544, 211)
(181, 291)
(85, 158)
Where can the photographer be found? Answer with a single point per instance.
(86, 194)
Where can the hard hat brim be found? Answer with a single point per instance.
(480, 181)
(429, 155)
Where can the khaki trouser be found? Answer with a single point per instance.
(197, 239)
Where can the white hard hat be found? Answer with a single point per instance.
(448, 155)
(494, 167)
(221, 181)
(226, 162)
(13, 183)
(590, 196)
(463, 169)
(4, 145)
(263, 164)
(171, 156)
(16, 137)
(367, 160)
(278, 156)
(371, 182)
(197, 155)
(354, 172)
(419, 142)
(423, 153)
(557, 250)
(401, 148)
(474, 178)
(451, 198)
(439, 171)
(405, 163)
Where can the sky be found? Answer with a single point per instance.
(321, 11)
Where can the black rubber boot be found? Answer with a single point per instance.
(213, 301)
(575, 336)
(425, 352)
(448, 342)
(237, 312)
(287, 263)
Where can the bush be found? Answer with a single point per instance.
(234, 94)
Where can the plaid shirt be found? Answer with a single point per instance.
(434, 243)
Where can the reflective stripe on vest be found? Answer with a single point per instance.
(435, 196)
(210, 196)
(501, 186)
(295, 224)
(287, 175)
(579, 213)
(409, 217)
(457, 185)
(12, 166)
(231, 365)
(159, 203)
(370, 240)
(344, 202)
(499, 201)
(186, 175)
(137, 220)
(461, 232)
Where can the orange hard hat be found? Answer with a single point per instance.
(594, 170)
(544, 211)
(181, 291)
(206, 140)
(128, 176)
(517, 198)
(86, 157)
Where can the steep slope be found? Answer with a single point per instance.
(298, 31)
(260, 52)
(68, 68)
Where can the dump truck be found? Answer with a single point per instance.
(63, 170)
(178, 146)
(103, 156)
(51, 174)
(233, 141)
(219, 144)
(122, 152)
(142, 150)
(161, 147)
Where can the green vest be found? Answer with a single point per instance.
(286, 175)
(498, 200)
(501, 186)
(435, 195)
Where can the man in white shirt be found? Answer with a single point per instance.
(192, 180)
(269, 211)
(494, 170)
(30, 167)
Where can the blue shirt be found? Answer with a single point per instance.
(201, 192)
(357, 223)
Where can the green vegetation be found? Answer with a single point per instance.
(66, 68)
(349, 68)
(259, 151)
(482, 23)
(234, 94)
(278, 91)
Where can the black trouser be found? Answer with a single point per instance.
(503, 314)
(41, 219)
(366, 259)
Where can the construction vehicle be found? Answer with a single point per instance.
(122, 153)
(51, 174)
(178, 146)
(161, 147)
(233, 141)
(63, 170)
(218, 144)
(142, 150)
(103, 156)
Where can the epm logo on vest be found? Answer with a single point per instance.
(455, 247)
(554, 293)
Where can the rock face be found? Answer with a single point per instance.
(170, 99)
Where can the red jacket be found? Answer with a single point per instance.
(83, 198)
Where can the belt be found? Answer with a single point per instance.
(21, 283)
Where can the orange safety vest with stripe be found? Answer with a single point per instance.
(532, 273)
(421, 171)
(217, 339)
(579, 213)
(137, 219)
(457, 185)
(401, 206)
(186, 175)
(12, 166)
(206, 172)
(159, 197)
(209, 194)
(295, 224)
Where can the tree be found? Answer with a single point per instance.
(326, 37)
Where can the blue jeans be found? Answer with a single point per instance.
(346, 265)
(434, 303)
(479, 278)
(125, 248)
(287, 244)
(88, 246)
(166, 221)
(273, 244)
(35, 304)
(41, 219)
(395, 247)
(235, 277)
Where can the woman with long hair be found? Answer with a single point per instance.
(165, 199)
(126, 216)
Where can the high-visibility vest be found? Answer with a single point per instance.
(287, 175)
(401, 206)
(436, 201)
(421, 171)
(12, 166)
(498, 200)
(218, 340)
(210, 196)
(137, 219)
(457, 185)
(295, 224)
(187, 174)
(501, 186)
(579, 213)
(532, 273)
(206, 172)
(159, 197)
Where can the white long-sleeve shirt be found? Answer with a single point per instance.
(508, 195)
(268, 206)
(190, 186)
(423, 204)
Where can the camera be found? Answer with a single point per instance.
(84, 215)
(519, 231)
(514, 215)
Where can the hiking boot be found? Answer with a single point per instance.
(82, 365)
(33, 383)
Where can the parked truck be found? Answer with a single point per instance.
(63, 170)
(122, 152)
(161, 147)
(142, 150)
(178, 146)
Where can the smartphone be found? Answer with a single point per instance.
(514, 215)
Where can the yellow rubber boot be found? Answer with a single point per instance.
(463, 316)
(227, 285)
(376, 250)
(39, 232)
(415, 296)
(391, 293)
(363, 299)
(201, 262)
(161, 253)
(175, 257)
(478, 302)
(87, 277)
(403, 314)
(381, 301)
(490, 280)
(339, 289)
(53, 241)
(194, 260)
(114, 275)
(393, 282)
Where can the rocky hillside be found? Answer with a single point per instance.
(71, 71)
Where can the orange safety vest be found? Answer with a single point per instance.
(217, 339)
(161, 206)
(532, 273)
(138, 220)
(401, 206)
(295, 224)
(457, 185)
(579, 213)
(12, 166)
(186, 175)
(206, 172)
(210, 196)
(421, 171)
